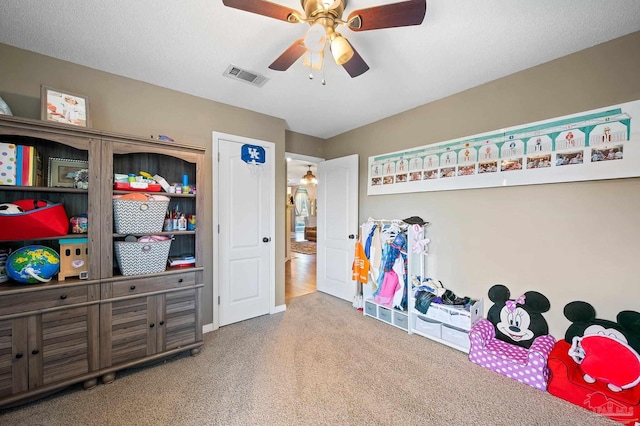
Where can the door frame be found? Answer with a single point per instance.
(216, 136)
(300, 157)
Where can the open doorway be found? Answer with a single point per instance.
(301, 223)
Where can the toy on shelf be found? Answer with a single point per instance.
(32, 219)
(514, 339)
(33, 264)
(597, 365)
(74, 258)
(143, 181)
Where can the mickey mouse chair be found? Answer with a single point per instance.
(597, 365)
(514, 340)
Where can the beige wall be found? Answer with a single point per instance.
(298, 143)
(128, 106)
(570, 241)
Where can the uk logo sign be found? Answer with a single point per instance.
(252, 154)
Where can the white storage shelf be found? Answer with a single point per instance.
(386, 314)
(446, 324)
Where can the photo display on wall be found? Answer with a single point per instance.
(592, 145)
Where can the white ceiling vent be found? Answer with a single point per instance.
(247, 76)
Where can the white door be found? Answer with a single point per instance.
(245, 206)
(337, 225)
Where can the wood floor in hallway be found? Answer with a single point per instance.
(300, 276)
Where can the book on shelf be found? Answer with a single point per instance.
(28, 166)
(8, 153)
(182, 260)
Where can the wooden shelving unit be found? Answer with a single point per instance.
(77, 331)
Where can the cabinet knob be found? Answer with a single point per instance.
(161, 323)
(133, 287)
(63, 296)
(19, 355)
(180, 280)
(35, 352)
(152, 325)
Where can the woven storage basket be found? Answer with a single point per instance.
(139, 217)
(142, 258)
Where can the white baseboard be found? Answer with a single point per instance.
(207, 328)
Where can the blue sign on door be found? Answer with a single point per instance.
(252, 153)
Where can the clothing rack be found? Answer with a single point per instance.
(401, 225)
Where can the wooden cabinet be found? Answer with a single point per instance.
(141, 318)
(145, 326)
(64, 332)
(14, 363)
(47, 347)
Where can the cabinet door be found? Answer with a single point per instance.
(179, 319)
(62, 345)
(13, 356)
(128, 330)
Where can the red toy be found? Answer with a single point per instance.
(597, 365)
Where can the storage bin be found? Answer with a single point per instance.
(40, 219)
(436, 312)
(136, 258)
(384, 314)
(428, 326)
(400, 320)
(139, 217)
(455, 315)
(456, 336)
(370, 309)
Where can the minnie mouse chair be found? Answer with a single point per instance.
(597, 365)
(514, 340)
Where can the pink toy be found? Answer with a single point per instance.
(528, 366)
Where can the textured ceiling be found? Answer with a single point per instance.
(187, 45)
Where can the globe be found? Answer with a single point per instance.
(33, 264)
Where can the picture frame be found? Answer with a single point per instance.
(63, 173)
(60, 106)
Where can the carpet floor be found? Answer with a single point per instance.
(318, 363)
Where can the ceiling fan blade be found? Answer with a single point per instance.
(356, 65)
(401, 14)
(264, 8)
(289, 56)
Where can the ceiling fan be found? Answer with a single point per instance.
(324, 16)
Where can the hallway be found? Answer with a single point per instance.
(300, 276)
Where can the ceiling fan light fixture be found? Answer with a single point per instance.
(316, 38)
(308, 178)
(340, 49)
(313, 60)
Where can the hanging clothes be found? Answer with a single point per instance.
(360, 267)
(400, 264)
(367, 245)
(385, 250)
(394, 260)
(390, 285)
(375, 256)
